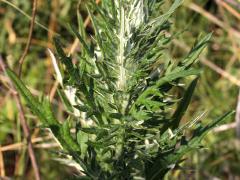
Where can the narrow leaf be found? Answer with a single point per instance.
(183, 105)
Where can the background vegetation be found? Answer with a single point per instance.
(217, 91)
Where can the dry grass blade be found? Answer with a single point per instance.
(34, 10)
(237, 117)
(220, 71)
(2, 168)
(224, 127)
(234, 3)
(229, 8)
(213, 19)
(19, 145)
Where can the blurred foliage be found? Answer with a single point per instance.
(219, 159)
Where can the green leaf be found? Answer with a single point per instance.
(47, 110)
(196, 50)
(66, 135)
(67, 61)
(165, 161)
(183, 105)
(173, 76)
(75, 31)
(33, 103)
(65, 100)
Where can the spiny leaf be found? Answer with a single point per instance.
(65, 100)
(196, 50)
(173, 76)
(72, 145)
(75, 31)
(165, 161)
(34, 104)
(43, 111)
(67, 61)
(47, 110)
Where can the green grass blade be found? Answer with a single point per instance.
(182, 107)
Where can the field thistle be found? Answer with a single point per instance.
(119, 93)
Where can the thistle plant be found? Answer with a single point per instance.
(119, 95)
